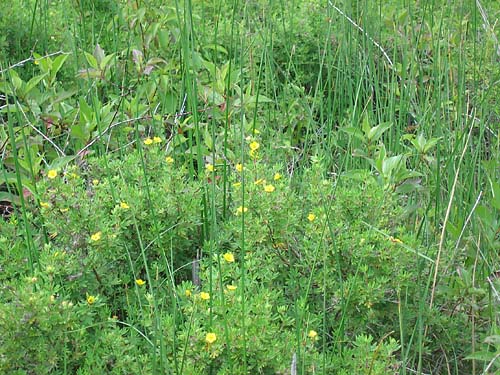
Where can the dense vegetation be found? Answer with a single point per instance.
(258, 187)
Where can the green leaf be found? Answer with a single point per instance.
(354, 132)
(56, 66)
(376, 132)
(482, 356)
(33, 82)
(91, 61)
(61, 162)
(208, 140)
(105, 61)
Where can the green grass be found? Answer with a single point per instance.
(381, 121)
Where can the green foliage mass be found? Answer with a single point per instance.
(254, 187)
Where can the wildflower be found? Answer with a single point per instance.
(91, 300)
(229, 257)
(259, 181)
(140, 282)
(254, 146)
(157, 140)
(237, 184)
(210, 338)
(96, 236)
(205, 296)
(239, 167)
(277, 176)
(241, 209)
(311, 217)
(124, 205)
(52, 174)
(169, 159)
(63, 210)
(312, 334)
(231, 287)
(188, 293)
(148, 141)
(395, 240)
(269, 188)
(44, 205)
(95, 182)
(210, 167)
(36, 62)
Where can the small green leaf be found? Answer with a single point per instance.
(91, 61)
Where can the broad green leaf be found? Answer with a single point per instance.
(105, 61)
(98, 54)
(376, 132)
(61, 162)
(354, 132)
(33, 82)
(91, 61)
(56, 66)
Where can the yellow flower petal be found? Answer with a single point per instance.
(210, 338)
(91, 300)
(205, 296)
(140, 282)
(52, 174)
(254, 146)
(312, 334)
(241, 209)
(311, 217)
(169, 159)
(269, 188)
(148, 141)
(229, 257)
(96, 236)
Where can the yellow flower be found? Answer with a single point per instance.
(277, 176)
(254, 146)
(95, 182)
(209, 167)
(239, 167)
(210, 338)
(395, 240)
(268, 188)
(96, 236)
(260, 181)
(311, 217)
(231, 287)
(237, 184)
(91, 300)
(140, 282)
(169, 159)
(36, 62)
(205, 296)
(148, 141)
(44, 205)
(124, 205)
(312, 334)
(229, 257)
(157, 140)
(52, 174)
(188, 292)
(241, 209)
